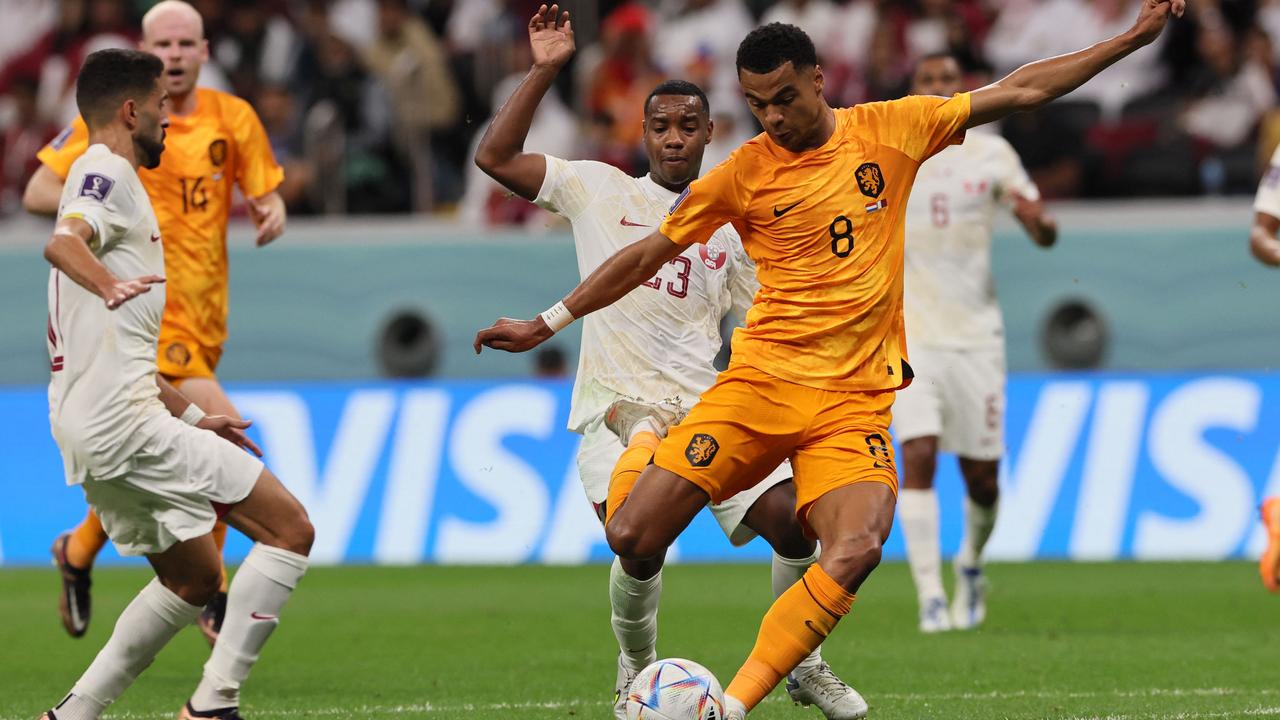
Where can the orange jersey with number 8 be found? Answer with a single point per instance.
(826, 230)
(220, 144)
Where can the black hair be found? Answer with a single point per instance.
(939, 55)
(109, 77)
(771, 46)
(681, 88)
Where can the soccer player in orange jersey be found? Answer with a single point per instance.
(215, 141)
(819, 200)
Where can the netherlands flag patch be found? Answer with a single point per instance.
(877, 205)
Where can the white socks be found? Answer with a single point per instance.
(258, 592)
(787, 572)
(978, 524)
(635, 615)
(145, 626)
(918, 510)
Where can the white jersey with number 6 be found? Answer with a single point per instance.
(950, 296)
(103, 383)
(660, 340)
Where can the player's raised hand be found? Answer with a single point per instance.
(230, 429)
(1154, 15)
(123, 291)
(551, 36)
(268, 213)
(513, 335)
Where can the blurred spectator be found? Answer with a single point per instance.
(20, 142)
(38, 17)
(698, 41)
(259, 45)
(550, 363)
(1233, 90)
(280, 118)
(618, 86)
(410, 61)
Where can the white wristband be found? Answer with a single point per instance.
(192, 415)
(557, 317)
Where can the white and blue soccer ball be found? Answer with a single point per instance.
(675, 689)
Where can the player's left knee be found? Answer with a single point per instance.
(982, 478)
(850, 559)
(630, 541)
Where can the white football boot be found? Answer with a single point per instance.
(969, 608)
(622, 687)
(819, 686)
(623, 415)
(934, 616)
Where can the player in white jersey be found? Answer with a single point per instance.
(157, 470)
(656, 344)
(956, 335)
(1266, 249)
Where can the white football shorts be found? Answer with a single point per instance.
(957, 396)
(167, 493)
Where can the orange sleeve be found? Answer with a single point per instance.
(707, 204)
(918, 125)
(257, 172)
(66, 148)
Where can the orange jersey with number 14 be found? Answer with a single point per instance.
(220, 144)
(825, 228)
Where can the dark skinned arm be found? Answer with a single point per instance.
(619, 275)
(501, 152)
(1035, 84)
(1262, 239)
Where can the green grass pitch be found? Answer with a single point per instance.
(1114, 641)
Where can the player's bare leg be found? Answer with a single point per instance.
(813, 682)
(969, 607)
(209, 396)
(852, 523)
(635, 585)
(282, 533)
(918, 505)
(186, 578)
(1269, 564)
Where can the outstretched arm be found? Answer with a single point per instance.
(1039, 224)
(619, 275)
(68, 251)
(1037, 83)
(501, 152)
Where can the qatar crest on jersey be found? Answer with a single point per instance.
(870, 179)
(713, 254)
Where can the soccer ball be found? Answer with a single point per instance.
(675, 689)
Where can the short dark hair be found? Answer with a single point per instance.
(109, 77)
(771, 46)
(938, 55)
(682, 88)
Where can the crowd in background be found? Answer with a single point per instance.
(375, 106)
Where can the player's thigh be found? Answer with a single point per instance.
(659, 508)
(975, 404)
(271, 515)
(849, 444)
(742, 428)
(917, 409)
(208, 394)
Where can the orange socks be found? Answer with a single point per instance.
(625, 474)
(800, 619)
(86, 541)
(220, 539)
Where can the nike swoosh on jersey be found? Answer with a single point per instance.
(779, 213)
(627, 223)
